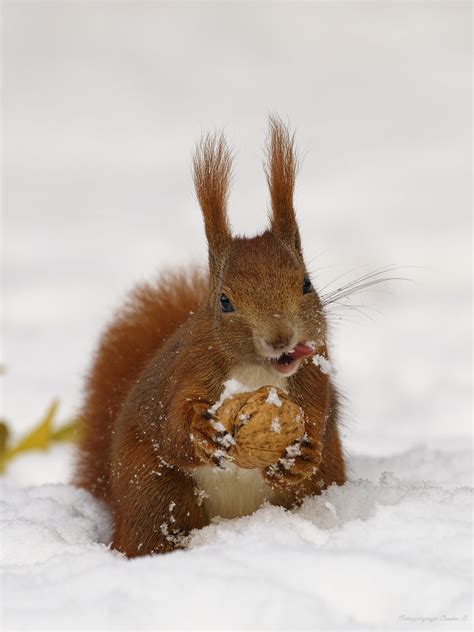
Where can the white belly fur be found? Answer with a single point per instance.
(237, 491)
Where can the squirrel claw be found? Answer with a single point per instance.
(300, 461)
(211, 440)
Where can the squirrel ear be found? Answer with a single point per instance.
(212, 166)
(281, 167)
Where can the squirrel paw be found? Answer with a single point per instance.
(300, 461)
(210, 438)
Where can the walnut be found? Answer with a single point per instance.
(263, 424)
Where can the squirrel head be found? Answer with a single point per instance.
(264, 308)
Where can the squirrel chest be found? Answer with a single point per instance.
(236, 491)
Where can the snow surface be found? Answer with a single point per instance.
(102, 103)
(372, 553)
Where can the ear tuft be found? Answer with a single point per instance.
(281, 166)
(212, 169)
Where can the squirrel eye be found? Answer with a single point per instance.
(226, 305)
(307, 285)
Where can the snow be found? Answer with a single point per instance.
(227, 440)
(366, 554)
(230, 387)
(101, 107)
(275, 425)
(323, 363)
(293, 450)
(272, 398)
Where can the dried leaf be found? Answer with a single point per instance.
(40, 437)
(67, 432)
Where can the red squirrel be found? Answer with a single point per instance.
(149, 446)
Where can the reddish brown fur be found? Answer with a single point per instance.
(151, 313)
(212, 168)
(159, 368)
(281, 168)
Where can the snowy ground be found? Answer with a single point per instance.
(101, 104)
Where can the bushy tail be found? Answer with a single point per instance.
(150, 315)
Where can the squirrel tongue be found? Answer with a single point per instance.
(300, 351)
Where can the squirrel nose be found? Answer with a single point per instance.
(280, 341)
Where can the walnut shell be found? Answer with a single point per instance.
(263, 423)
